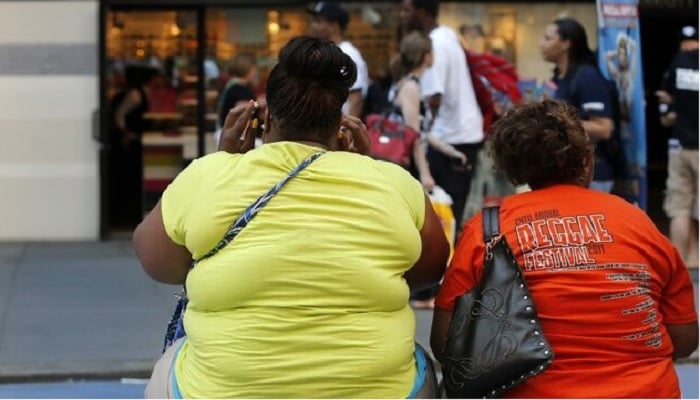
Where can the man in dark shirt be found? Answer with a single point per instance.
(678, 107)
(585, 88)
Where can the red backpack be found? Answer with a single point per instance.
(495, 81)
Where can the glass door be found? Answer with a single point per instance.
(153, 101)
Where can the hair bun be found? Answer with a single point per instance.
(316, 60)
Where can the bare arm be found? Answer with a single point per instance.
(446, 148)
(131, 100)
(684, 338)
(439, 330)
(409, 100)
(598, 128)
(428, 270)
(237, 125)
(434, 102)
(355, 102)
(161, 258)
(668, 119)
(664, 96)
(426, 178)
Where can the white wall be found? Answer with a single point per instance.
(48, 90)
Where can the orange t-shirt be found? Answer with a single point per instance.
(605, 283)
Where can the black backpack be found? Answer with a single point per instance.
(612, 150)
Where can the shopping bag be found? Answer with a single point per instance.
(442, 205)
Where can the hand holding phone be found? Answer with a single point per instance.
(237, 134)
(353, 136)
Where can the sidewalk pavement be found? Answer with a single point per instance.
(78, 310)
(88, 311)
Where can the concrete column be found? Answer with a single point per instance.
(48, 90)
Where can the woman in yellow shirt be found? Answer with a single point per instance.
(311, 298)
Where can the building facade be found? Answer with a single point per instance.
(61, 63)
(49, 90)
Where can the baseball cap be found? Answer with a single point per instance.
(331, 11)
(689, 32)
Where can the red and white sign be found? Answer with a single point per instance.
(619, 10)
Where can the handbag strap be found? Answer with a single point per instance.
(394, 108)
(253, 209)
(491, 225)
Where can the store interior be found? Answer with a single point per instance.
(179, 126)
(166, 40)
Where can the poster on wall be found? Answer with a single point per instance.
(620, 61)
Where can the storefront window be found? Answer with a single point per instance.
(171, 121)
(242, 46)
(513, 30)
(261, 32)
(152, 80)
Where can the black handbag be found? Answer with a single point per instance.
(495, 340)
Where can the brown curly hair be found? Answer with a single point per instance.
(542, 144)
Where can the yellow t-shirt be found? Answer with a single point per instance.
(309, 300)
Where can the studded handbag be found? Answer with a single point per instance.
(175, 328)
(495, 340)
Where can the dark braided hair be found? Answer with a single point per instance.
(307, 88)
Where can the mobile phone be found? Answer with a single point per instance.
(256, 121)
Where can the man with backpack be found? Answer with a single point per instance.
(494, 78)
(495, 82)
(457, 119)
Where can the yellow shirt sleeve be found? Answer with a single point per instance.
(410, 189)
(177, 198)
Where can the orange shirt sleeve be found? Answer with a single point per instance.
(677, 302)
(466, 266)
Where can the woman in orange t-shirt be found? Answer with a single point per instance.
(613, 295)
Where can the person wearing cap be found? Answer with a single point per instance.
(330, 20)
(678, 108)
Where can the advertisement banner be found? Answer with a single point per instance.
(620, 61)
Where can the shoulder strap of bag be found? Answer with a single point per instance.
(393, 107)
(403, 81)
(253, 209)
(491, 226)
